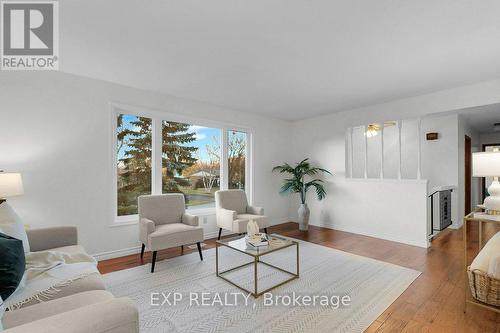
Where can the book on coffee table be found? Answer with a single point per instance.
(257, 240)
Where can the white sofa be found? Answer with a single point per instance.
(233, 212)
(82, 306)
(91, 311)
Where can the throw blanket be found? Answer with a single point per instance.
(46, 272)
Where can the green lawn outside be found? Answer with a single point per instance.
(199, 196)
(195, 197)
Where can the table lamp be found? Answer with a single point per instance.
(487, 164)
(11, 184)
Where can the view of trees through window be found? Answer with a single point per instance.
(236, 146)
(191, 161)
(133, 138)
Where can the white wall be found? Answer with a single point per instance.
(55, 129)
(440, 157)
(322, 139)
(387, 209)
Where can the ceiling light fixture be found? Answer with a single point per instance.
(373, 129)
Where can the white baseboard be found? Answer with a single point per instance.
(456, 225)
(424, 243)
(137, 249)
(117, 253)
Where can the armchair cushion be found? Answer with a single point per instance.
(232, 199)
(163, 208)
(241, 221)
(189, 219)
(255, 210)
(174, 234)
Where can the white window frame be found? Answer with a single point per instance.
(157, 116)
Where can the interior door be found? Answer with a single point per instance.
(468, 175)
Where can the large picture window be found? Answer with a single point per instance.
(155, 155)
(191, 162)
(133, 167)
(237, 156)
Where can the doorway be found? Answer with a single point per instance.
(486, 181)
(468, 175)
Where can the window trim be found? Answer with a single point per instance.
(157, 116)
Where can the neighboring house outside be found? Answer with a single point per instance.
(205, 178)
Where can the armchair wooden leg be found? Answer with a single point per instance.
(265, 230)
(220, 231)
(199, 250)
(153, 262)
(142, 250)
(182, 249)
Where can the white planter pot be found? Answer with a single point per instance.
(304, 213)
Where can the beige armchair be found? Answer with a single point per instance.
(233, 212)
(164, 223)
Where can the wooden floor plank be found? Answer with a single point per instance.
(416, 327)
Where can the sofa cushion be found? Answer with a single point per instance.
(87, 283)
(42, 239)
(12, 264)
(72, 249)
(118, 315)
(53, 307)
(488, 253)
(11, 224)
(494, 267)
(2, 312)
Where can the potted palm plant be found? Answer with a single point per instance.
(298, 184)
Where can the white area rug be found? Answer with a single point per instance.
(371, 285)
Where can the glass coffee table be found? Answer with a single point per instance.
(276, 243)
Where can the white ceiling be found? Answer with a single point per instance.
(289, 59)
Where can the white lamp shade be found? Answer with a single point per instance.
(486, 164)
(11, 184)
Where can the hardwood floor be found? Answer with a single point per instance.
(433, 303)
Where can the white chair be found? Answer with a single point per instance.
(233, 212)
(164, 223)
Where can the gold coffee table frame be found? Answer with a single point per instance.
(256, 253)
